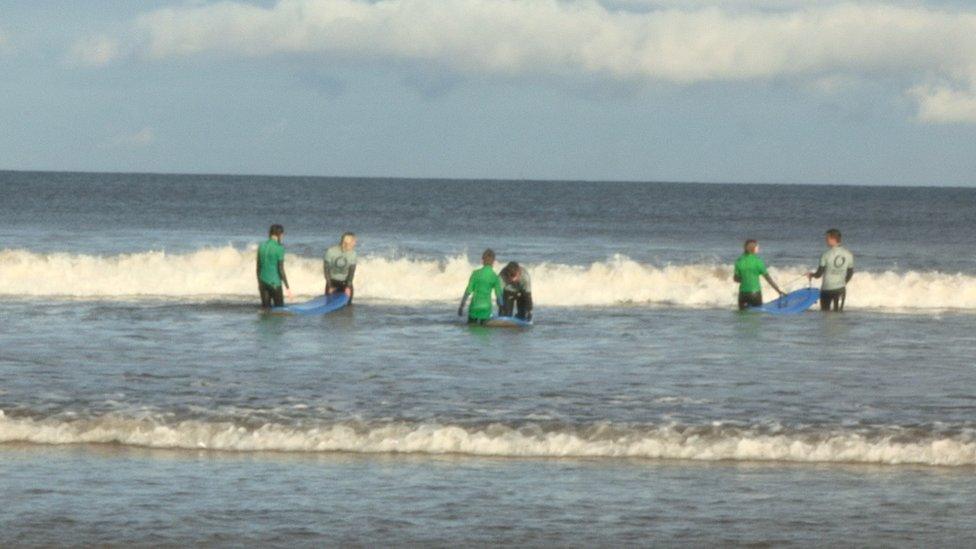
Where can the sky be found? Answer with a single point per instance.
(766, 91)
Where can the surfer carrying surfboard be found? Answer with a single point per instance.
(748, 268)
(271, 269)
(481, 284)
(339, 266)
(518, 292)
(836, 268)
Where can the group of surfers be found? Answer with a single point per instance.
(512, 287)
(836, 268)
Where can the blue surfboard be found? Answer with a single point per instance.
(792, 303)
(321, 305)
(508, 322)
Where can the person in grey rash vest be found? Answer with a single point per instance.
(836, 268)
(339, 266)
(517, 293)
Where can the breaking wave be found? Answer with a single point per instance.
(715, 442)
(229, 272)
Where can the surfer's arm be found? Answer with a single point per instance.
(819, 272)
(850, 275)
(352, 273)
(773, 284)
(281, 273)
(468, 290)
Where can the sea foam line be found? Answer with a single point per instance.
(890, 446)
(229, 272)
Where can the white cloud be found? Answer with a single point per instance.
(651, 40)
(95, 51)
(139, 139)
(941, 105)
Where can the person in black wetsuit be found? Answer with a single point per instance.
(517, 293)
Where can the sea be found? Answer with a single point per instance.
(145, 400)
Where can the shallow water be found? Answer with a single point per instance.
(145, 399)
(173, 498)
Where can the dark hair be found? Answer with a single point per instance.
(749, 244)
(510, 270)
(488, 256)
(834, 233)
(276, 230)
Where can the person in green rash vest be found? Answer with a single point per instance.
(748, 268)
(339, 266)
(482, 283)
(836, 268)
(271, 269)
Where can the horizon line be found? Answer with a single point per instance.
(489, 179)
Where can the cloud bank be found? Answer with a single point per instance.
(932, 50)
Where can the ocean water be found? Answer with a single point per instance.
(145, 400)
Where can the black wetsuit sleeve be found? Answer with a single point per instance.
(281, 273)
(820, 272)
(850, 274)
(257, 263)
(352, 273)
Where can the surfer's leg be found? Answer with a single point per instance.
(278, 295)
(840, 299)
(265, 292)
(340, 286)
(832, 300)
(508, 303)
(747, 300)
(525, 306)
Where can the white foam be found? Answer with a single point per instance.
(705, 443)
(229, 272)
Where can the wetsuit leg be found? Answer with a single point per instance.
(837, 299)
(832, 300)
(265, 292)
(278, 296)
(340, 286)
(525, 306)
(476, 321)
(509, 298)
(752, 299)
